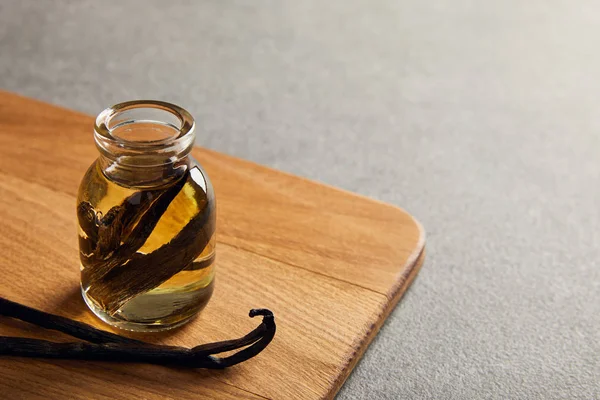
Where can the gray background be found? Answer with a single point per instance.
(479, 117)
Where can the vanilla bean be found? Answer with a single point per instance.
(87, 222)
(144, 272)
(109, 232)
(106, 346)
(142, 208)
(56, 322)
(267, 329)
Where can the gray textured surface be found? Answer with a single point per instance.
(478, 117)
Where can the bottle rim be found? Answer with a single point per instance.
(166, 117)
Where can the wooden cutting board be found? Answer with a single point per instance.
(330, 264)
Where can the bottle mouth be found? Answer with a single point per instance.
(147, 132)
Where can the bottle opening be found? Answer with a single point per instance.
(144, 131)
(144, 124)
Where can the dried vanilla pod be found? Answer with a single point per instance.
(106, 346)
(143, 272)
(127, 227)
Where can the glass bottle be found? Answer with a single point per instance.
(147, 213)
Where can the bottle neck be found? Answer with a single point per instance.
(143, 176)
(144, 143)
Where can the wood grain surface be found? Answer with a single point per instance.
(330, 264)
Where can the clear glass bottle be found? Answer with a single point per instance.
(147, 213)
